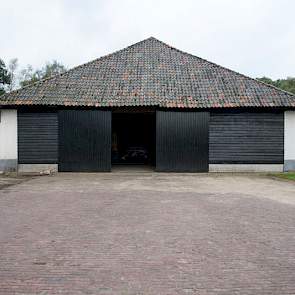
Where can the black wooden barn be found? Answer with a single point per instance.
(150, 104)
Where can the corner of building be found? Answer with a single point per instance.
(8, 140)
(289, 141)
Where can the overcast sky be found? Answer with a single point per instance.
(254, 37)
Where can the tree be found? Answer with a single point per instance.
(29, 75)
(266, 80)
(285, 84)
(52, 69)
(12, 68)
(4, 77)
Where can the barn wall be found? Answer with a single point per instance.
(289, 161)
(246, 139)
(8, 140)
(37, 141)
(238, 141)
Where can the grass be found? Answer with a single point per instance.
(285, 175)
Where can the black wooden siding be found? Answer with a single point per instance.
(247, 138)
(182, 141)
(37, 137)
(241, 137)
(85, 140)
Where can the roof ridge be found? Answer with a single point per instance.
(41, 81)
(225, 68)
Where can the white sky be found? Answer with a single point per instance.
(254, 37)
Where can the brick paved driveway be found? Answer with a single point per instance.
(148, 233)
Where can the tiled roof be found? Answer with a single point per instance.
(150, 73)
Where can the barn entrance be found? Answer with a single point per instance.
(133, 138)
(97, 140)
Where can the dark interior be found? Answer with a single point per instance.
(133, 138)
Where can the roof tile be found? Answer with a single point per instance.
(150, 73)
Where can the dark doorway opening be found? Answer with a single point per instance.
(133, 138)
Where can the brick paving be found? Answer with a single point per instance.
(147, 233)
(8, 180)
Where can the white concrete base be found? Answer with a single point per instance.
(289, 165)
(8, 165)
(246, 167)
(38, 168)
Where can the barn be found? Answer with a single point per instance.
(148, 104)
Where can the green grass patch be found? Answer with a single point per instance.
(285, 175)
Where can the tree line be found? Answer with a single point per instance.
(287, 84)
(12, 78)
